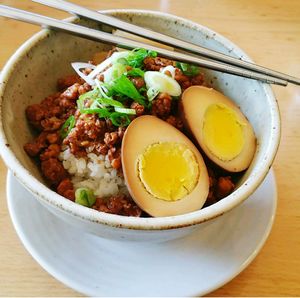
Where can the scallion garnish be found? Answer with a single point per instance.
(135, 72)
(67, 127)
(122, 61)
(85, 197)
(102, 112)
(136, 57)
(125, 111)
(110, 102)
(88, 95)
(152, 93)
(119, 119)
(124, 86)
(188, 69)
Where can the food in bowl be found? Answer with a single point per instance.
(226, 136)
(113, 138)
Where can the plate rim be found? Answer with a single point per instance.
(25, 240)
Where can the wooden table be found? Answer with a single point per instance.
(269, 32)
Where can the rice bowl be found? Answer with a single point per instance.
(103, 224)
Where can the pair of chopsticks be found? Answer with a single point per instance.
(216, 61)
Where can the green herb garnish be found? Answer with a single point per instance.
(102, 112)
(67, 127)
(188, 69)
(135, 72)
(85, 197)
(109, 102)
(152, 93)
(136, 57)
(124, 86)
(88, 95)
(125, 111)
(119, 119)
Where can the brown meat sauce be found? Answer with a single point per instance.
(100, 136)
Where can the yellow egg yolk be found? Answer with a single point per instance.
(223, 132)
(168, 171)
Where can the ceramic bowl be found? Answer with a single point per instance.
(31, 74)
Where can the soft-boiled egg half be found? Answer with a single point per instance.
(163, 170)
(220, 128)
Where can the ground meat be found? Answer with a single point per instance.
(121, 131)
(72, 92)
(53, 170)
(67, 81)
(98, 148)
(109, 125)
(111, 138)
(175, 121)
(138, 82)
(66, 189)
(114, 156)
(35, 147)
(198, 80)
(88, 70)
(53, 138)
(84, 88)
(161, 105)
(91, 126)
(182, 79)
(219, 187)
(187, 81)
(88, 130)
(51, 152)
(139, 109)
(100, 77)
(116, 163)
(156, 63)
(113, 153)
(50, 102)
(51, 124)
(224, 187)
(35, 113)
(66, 103)
(119, 204)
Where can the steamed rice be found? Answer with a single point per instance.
(94, 172)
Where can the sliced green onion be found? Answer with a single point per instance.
(102, 113)
(125, 111)
(110, 102)
(103, 90)
(115, 71)
(95, 105)
(136, 57)
(152, 93)
(143, 89)
(135, 72)
(88, 95)
(122, 61)
(67, 127)
(85, 197)
(119, 119)
(124, 86)
(188, 69)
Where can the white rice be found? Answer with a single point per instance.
(94, 172)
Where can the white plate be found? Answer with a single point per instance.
(191, 266)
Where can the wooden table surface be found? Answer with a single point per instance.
(269, 31)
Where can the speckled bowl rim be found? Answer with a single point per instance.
(43, 193)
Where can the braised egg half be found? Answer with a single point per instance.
(163, 170)
(220, 128)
